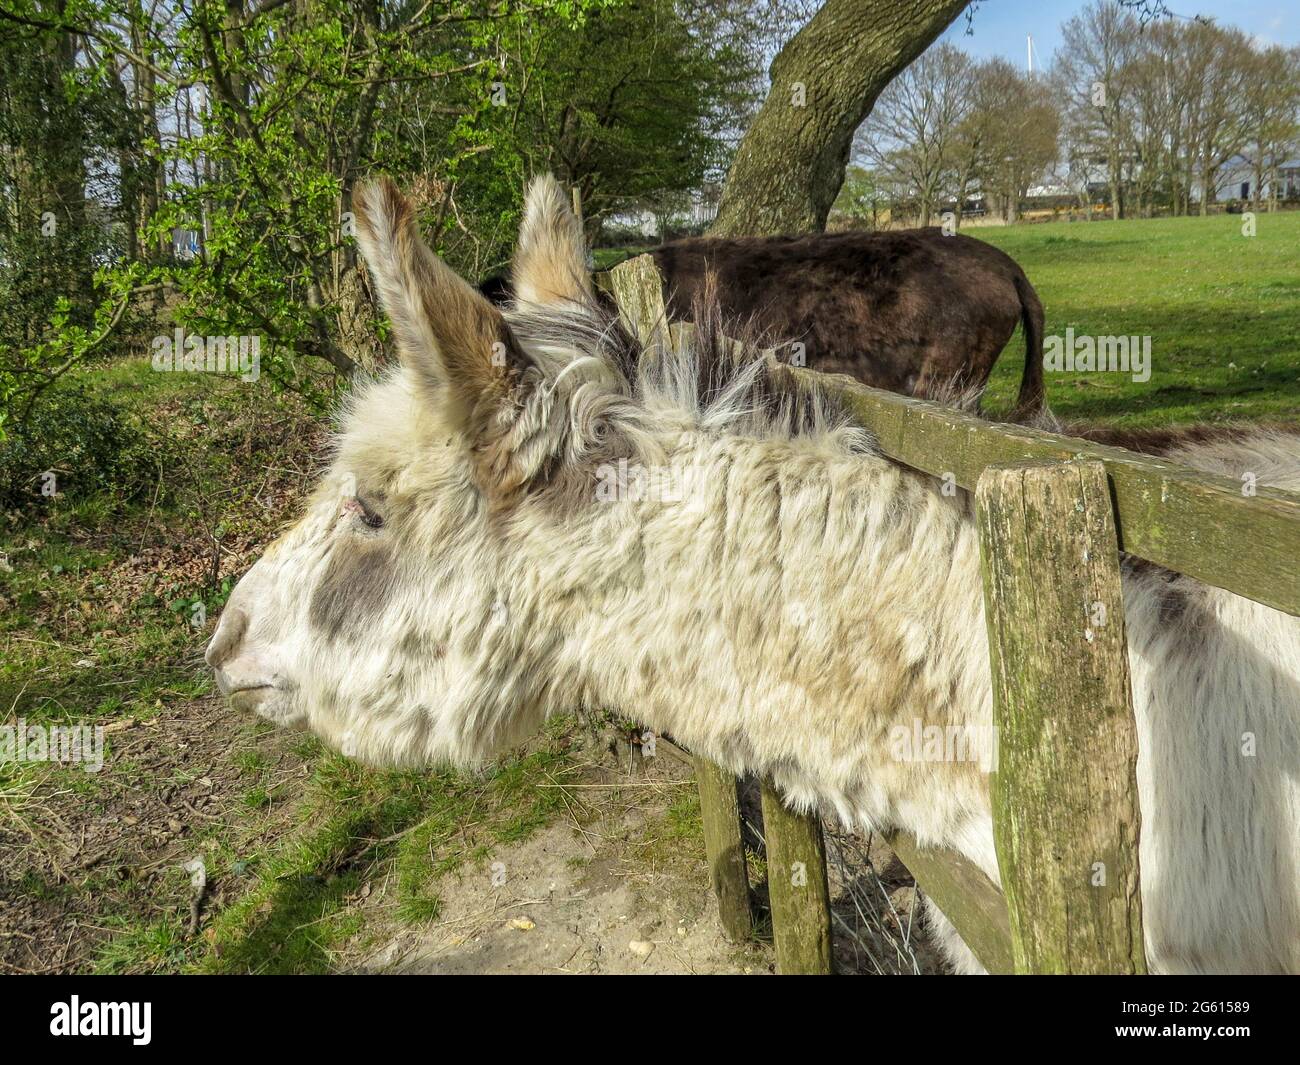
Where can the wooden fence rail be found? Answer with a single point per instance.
(1054, 513)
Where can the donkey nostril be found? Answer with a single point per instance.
(230, 630)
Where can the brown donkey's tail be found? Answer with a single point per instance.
(1032, 394)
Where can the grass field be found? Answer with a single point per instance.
(1222, 311)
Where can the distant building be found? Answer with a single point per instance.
(1235, 180)
(1288, 180)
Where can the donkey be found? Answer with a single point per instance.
(912, 311)
(459, 575)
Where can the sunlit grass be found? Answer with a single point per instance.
(1222, 310)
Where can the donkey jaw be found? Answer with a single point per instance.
(267, 699)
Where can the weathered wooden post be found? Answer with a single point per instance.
(1065, 809)
(637, 288)
(724, 847)
(797, 888)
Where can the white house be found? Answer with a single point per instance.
(1236, 180)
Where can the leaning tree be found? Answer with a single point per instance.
(790, 165)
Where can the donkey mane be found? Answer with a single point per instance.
(722, 381)
(725, 380)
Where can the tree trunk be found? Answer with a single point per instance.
(68, 179)
(962, 185)
(790, 164)
(152, 187)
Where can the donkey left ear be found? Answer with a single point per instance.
(550, 265)
(453, 338)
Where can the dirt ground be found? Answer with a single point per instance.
(609, 891)
(622, 888)
(553, 917)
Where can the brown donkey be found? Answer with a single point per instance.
(912, 311)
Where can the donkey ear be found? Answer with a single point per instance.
(453, 338)
(551, 263)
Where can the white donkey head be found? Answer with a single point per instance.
(401, 618)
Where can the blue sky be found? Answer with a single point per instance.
(999, 27)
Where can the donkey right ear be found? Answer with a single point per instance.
(452, 337)
(550, 264)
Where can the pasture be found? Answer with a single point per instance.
(314, 863)
(1222, 311)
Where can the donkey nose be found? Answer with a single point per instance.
(230, 630)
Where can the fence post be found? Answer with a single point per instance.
(720, 813)
(1065, 808)
(637, 288)
(797, 888)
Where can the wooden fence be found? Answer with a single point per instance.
(1053, 515)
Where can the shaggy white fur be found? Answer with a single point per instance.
(796, 602)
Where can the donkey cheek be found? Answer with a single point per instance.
(359, 581)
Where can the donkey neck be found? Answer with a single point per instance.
(791, 610)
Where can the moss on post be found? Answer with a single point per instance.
(1065, 810)
(797, 888)
(720, 813)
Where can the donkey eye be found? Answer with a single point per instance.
(367, 513)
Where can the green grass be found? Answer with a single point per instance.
(300, 908)
(604, 258)
(1222, 309)
(67, 658)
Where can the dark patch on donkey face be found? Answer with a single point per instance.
(359, 580)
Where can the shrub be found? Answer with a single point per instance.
(87, 443)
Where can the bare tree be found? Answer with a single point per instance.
(1022, 142)
(1156, 114)
(1096, 50)
(912, 129)
(1222, 57)
(975, 140)
(1272, 114)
